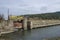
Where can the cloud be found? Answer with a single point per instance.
(29, 6)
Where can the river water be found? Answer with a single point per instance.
(34, 34)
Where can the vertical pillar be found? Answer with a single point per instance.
(28, 25)
(25, 23)
(31, 24)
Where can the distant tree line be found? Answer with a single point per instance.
(55, 15)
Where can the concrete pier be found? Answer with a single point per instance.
(25, 23)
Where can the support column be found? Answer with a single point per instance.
(25, 23)
(31, 24)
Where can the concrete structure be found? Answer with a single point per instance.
(4, 28)
(30, 24)
(42, 23)
(26, 24)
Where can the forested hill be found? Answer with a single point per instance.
(54, 15)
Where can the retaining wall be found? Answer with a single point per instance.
(41, 23)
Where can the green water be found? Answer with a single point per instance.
(34, 34)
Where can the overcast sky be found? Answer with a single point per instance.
(20, 7)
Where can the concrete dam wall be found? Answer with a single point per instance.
(41, 23)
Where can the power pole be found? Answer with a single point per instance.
(8, 17)
(8, 14)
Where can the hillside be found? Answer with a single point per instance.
(54, 15)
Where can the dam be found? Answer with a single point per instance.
(30, 24)
(26, 24)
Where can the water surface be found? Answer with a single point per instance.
(34, 34)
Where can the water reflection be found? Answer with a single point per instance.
(19, 35)
(34, 34)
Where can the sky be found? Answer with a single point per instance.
(21, 7)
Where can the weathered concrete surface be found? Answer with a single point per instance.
(25, 23)
(4, 28)
(41, 23)
(33, 24)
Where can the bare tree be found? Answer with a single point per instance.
(1, 17)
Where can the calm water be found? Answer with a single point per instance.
(34, 34)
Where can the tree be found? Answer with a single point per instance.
(1, 17)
